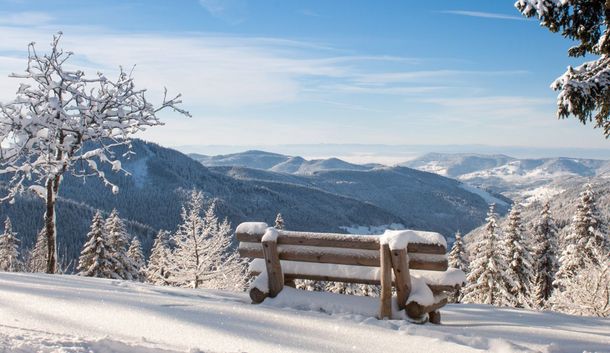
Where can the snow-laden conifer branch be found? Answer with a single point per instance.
(584, 91)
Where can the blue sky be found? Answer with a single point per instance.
(308, 72)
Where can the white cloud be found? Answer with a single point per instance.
(491, 15)
(212, 70)
(25, 18)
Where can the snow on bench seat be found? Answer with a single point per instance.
(365, 274)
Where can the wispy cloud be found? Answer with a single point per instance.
(491, 15)
(211, 70)
(230, 11)
(25, 18)
(426, 75)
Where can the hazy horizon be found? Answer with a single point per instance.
(394, 154)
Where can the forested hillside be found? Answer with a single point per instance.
(151, 197)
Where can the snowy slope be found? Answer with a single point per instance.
(42, 313)
(525, 179)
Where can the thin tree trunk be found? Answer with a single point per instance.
(49, 221)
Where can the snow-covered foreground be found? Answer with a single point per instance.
(42, 313)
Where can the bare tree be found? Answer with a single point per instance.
(43, 132)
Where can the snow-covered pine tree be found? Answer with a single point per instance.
(310, 285)
(584, 90)
(9, 249)
(279, 221)
(588, 291)
(97, 257)
(348, 288)
(37, 261)
(457, 259)
(587, 236)
(545, 257)
(225, 269)
(517, 254)
(159, 261)
(118, 240)
(486, 282)
(56, 113)
(203, 255)
(136, 256)
(187, 258)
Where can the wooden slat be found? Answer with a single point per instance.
(402, 278)
(385, 302)
(342, 256)
(346, 241)
(274, 268)
(435, 288)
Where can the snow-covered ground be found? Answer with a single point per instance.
(42, 313)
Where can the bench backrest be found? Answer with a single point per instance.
(340, 249)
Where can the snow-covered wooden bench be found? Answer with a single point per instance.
(414, 262)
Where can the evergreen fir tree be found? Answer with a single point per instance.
(457, 259)
(311, 285)
(119, 243)
(97, 257)
(517, 254)
(545, 257)
(156, 271)
(9, 249)
(203, 254)
(279, 221)
(136, 256)
(587, 292)
(488, 278)
(350, 288)
(38, 256)
(586, 238)
(231, 270)
(187, 258)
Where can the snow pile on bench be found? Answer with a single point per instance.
(451, 277)
(400, 239)
(271, 234)
(252, 228)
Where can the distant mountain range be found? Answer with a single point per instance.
(420, 200)
(324, 195)
(279, 163)
(515, 178)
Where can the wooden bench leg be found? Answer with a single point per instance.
(417, 311)
(402, 277)
(274, 268)
(385, 297)
(435, 317)
(257, 295)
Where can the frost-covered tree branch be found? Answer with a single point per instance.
(57, 111)
(584, 91)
